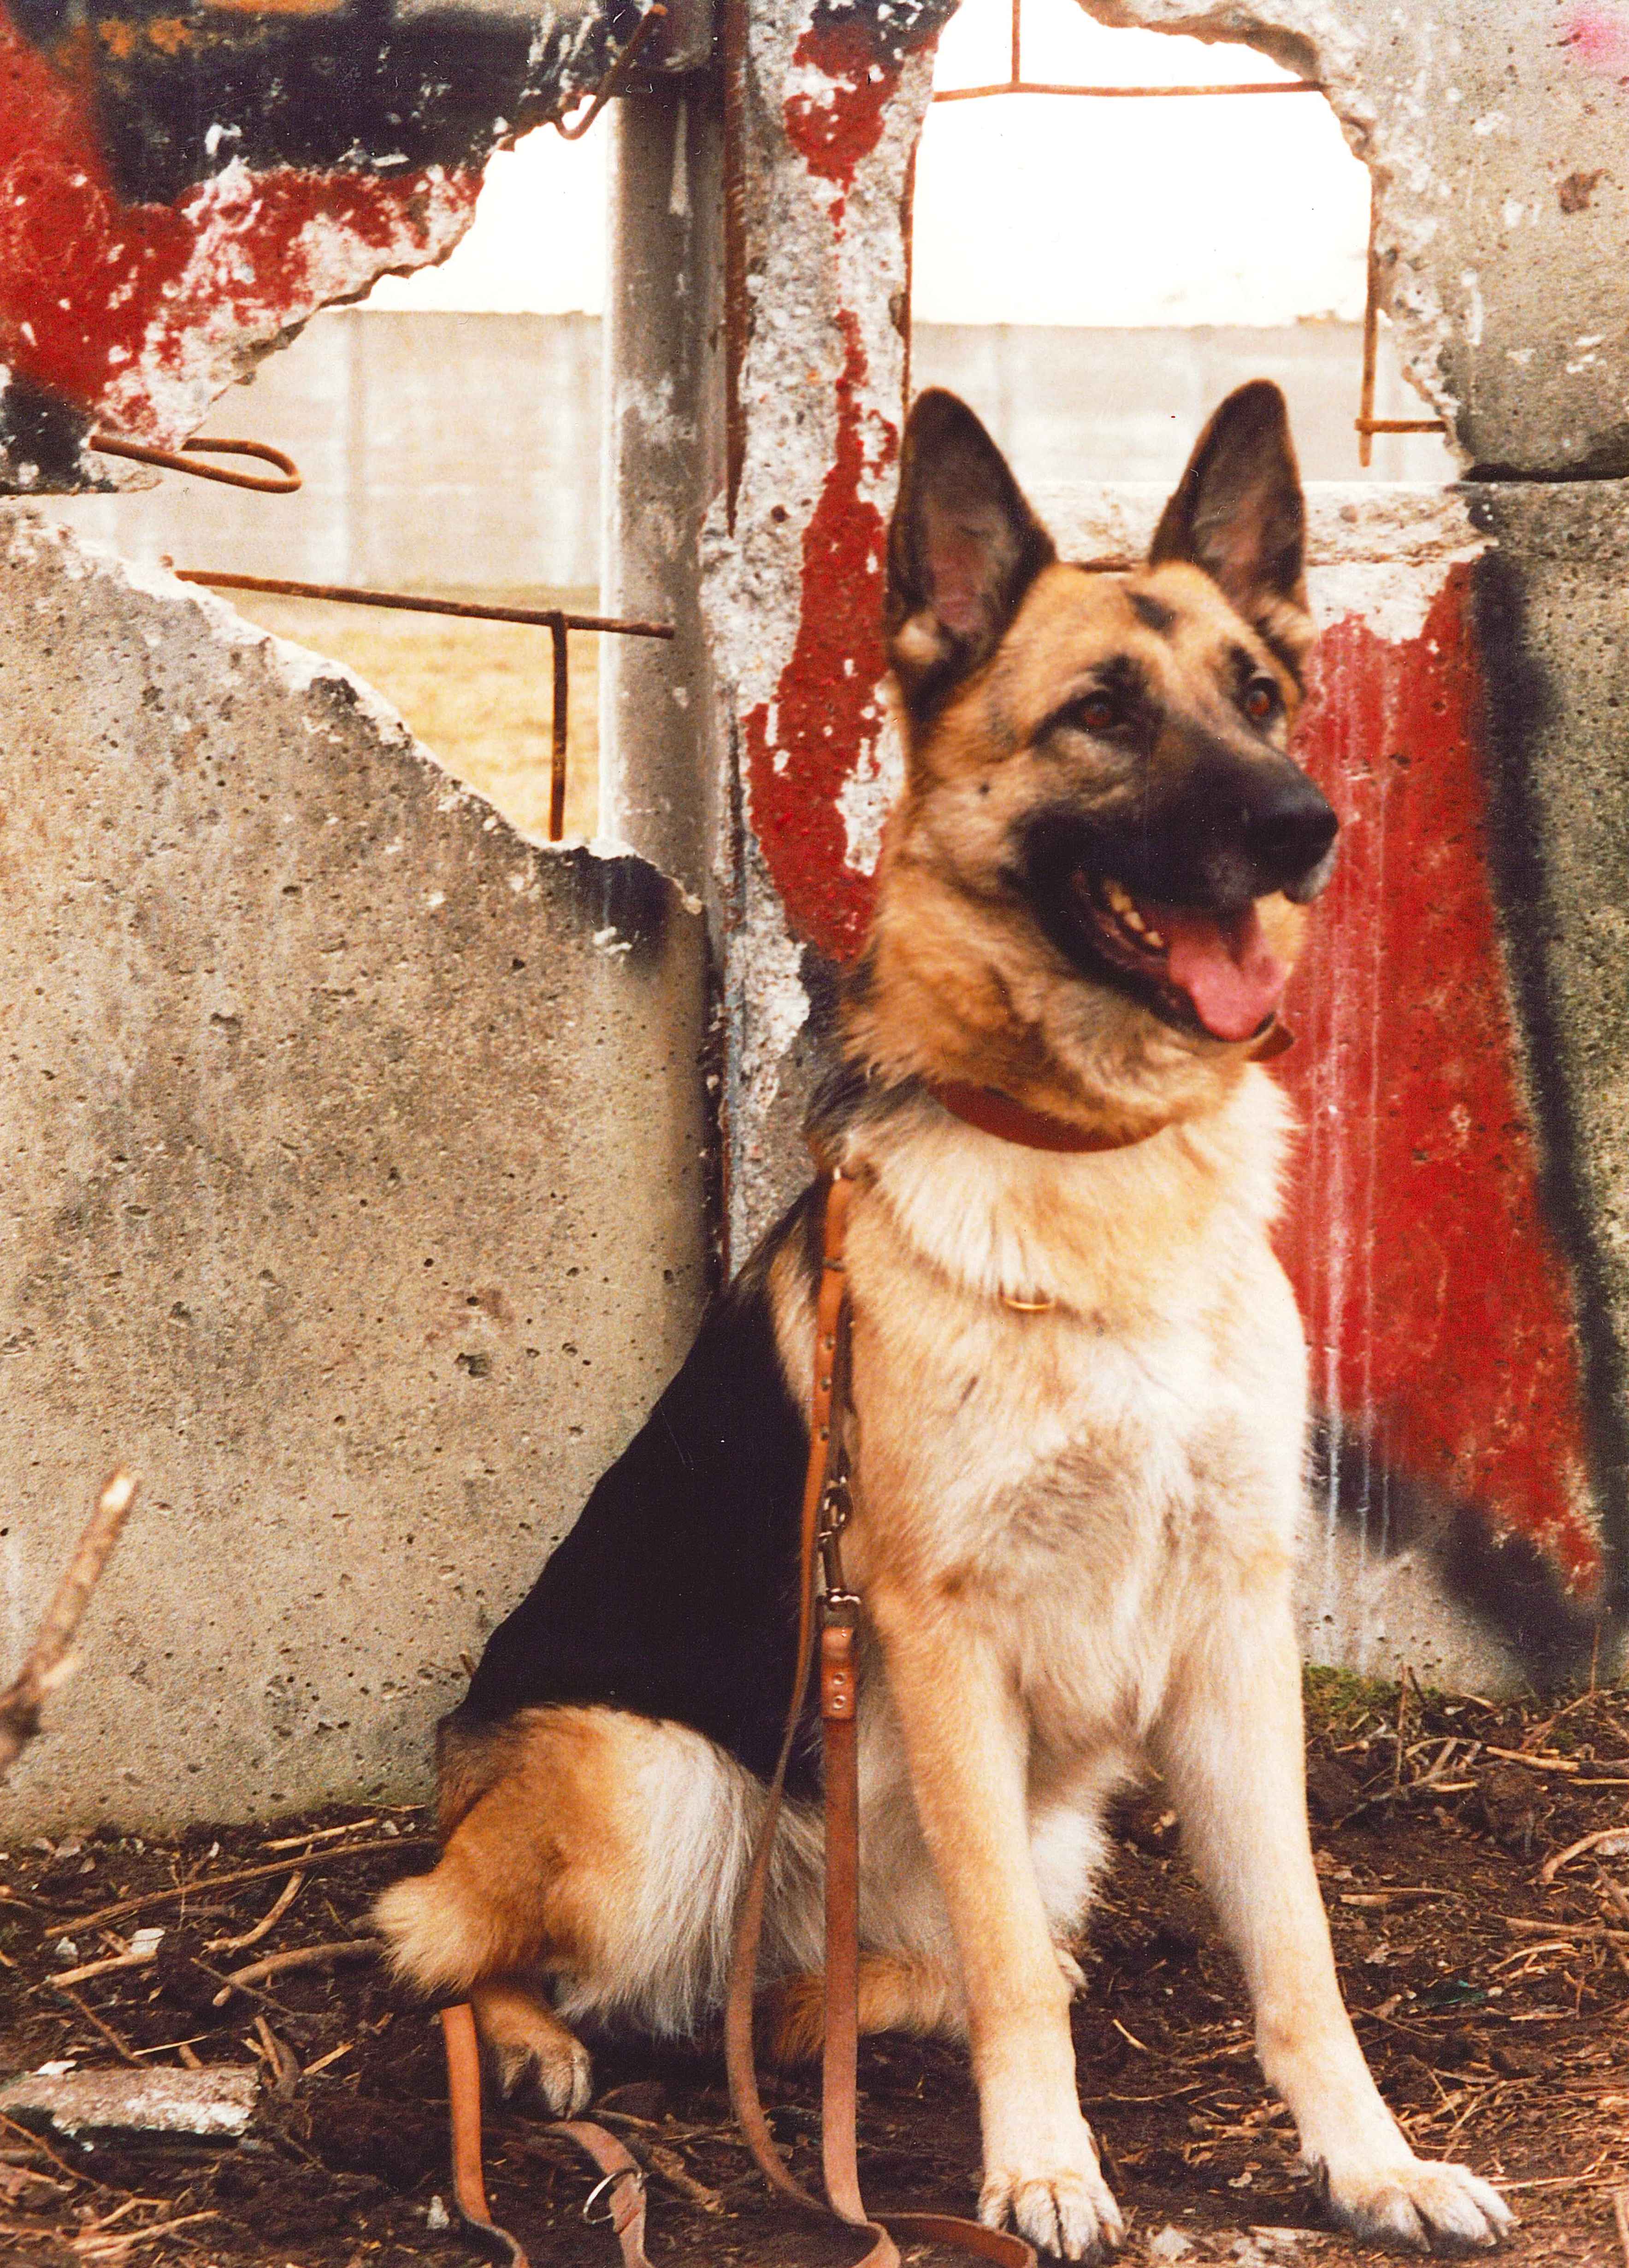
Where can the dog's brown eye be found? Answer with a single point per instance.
(1261, 700)
(1099, 712)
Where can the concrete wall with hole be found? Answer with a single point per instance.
(356, 1169)
(246, 1122)
(1470, 1511)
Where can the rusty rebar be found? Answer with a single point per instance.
(172, 461)
(1366, 422)
(552, 619)
(732, 41)
(412, 602)
(613, 78)
(558, 723)
(1016, 86)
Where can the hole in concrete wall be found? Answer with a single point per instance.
(1093, 274)
(448, 430)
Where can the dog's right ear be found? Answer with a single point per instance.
(964, 548)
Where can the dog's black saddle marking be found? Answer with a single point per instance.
(674, 1595)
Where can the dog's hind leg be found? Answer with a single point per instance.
(530, 2047)
(589, 1850)
(896, 1994)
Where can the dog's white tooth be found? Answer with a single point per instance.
(1116, 894)
(1153, 938)
(1132, 919)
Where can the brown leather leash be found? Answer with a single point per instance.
(832, 1608)
(826, 1508)
(622, 2177)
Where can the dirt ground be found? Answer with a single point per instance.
(1486, 1958)
(479, 694)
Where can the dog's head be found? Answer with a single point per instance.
(1101, 817)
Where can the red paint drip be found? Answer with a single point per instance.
(834, 131)
(826, 707)
(1438, 1308)
(95, 293)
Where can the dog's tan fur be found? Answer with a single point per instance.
(1074, 1529)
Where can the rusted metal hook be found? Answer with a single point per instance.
(172, 461)
(614, 78)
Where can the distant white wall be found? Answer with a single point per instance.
(462, 450)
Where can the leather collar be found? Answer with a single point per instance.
(992, 1112)
(995, 1113)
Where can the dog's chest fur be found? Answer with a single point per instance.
(1081, 1488)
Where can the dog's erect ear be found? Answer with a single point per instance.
(964, 548)
(1238, 513)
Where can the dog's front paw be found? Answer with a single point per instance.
(1067, 2209)
(1415, 2205)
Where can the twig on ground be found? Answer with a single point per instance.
(124, 1907)
(266, 1923)
(302, 1956)
(678, 2176)
(49, 1660)
(319, 1835)
(143, 1958)
(1552, 1867)
(1620, 2214)
(1582, 1932)
(1540, 1764)
(120, 2047)
(97, 2246)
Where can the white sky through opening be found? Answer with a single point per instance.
(1247, 209)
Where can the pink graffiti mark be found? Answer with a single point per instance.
(1438, 1306)
(1599, 36)
(99, 300)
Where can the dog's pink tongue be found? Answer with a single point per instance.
(1227, 970)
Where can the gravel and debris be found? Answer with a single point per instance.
(1475, 1860)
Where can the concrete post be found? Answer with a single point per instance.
(664, 463)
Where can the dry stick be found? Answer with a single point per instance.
(120, 2047)
(48, 1661)
(114, 1960)
(318, 1835)
(125, 1907)
(1552, 1867)
(304, 1956)
(1519, 1926)
(1620, 2214)
(264, 1927)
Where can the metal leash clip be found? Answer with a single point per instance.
(606, 2181)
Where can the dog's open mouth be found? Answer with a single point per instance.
(1215, 971)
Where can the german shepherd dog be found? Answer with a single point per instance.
(1077, 1410)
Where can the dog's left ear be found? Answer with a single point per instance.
(1238, 513)
(964, 548)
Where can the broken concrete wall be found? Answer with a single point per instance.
(1453, 1243)
(179, 192)
(356, 1195)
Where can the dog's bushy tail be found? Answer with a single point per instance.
(446, 1931)
(442, 1940)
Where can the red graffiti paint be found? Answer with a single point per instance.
(839, 127)
(97, 297)
(1437, 1304)
(801, 749)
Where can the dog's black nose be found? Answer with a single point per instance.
(1288, 832)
